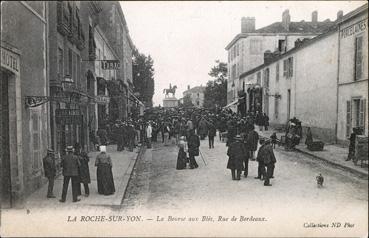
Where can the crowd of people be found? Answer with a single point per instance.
(185, 127)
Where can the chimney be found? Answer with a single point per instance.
(247, 24)
(339, 14)
(314, 18)
(188, 87)
(286, 19)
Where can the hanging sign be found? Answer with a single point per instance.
(110, 64)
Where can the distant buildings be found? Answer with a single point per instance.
(247, 49)
(322, 81)
(196, 94)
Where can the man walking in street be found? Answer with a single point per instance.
(252, 141)
(211, 134)
(149, 134)
(50, 171)
(70, 164)
(236, 152)
(267, 158)
(193, 143)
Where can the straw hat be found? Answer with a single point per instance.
(102, 148)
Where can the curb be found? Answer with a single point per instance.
(128, 174)
(357, 172)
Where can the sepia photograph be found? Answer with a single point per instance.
(184, 119)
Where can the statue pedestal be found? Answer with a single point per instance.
(170, 102)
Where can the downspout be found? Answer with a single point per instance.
(338, 80)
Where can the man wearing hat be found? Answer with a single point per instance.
(236, 152)
(266, 158)
(70, 164)
(50, 171)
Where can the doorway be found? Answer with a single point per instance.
(6, 199)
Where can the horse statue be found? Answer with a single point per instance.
(171, 90)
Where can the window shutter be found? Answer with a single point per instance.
(362, 114)
(291, 67)
(348, 118)
(285, 68)
(277, 72)
(358, 57)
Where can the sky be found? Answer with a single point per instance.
(186, 38)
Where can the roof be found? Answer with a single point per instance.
(300, 27)
(357, 11)
(197, 89)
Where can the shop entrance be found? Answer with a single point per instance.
(6, 198)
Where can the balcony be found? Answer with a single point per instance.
(63, 23)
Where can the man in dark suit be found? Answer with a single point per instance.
(193, 143)
(267, 158)
(50, 171)
(211, 134)
(70, 164)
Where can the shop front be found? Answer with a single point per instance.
(255, 99)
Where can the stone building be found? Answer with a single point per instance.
(319, 81)
(196, 94)
(24, 86)
(246, 50)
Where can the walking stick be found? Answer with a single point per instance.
(202, 157)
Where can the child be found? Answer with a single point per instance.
(182, 155)
(274, 139)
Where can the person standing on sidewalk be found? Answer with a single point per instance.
(104, 174)
(84, 172)
(265, 121)
(149, 134)
(70, 164)
(50, 171)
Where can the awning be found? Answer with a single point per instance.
(232, 103)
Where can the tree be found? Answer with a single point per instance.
(143, 77)
(216, 90)
(187, 101)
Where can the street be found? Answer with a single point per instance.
(156, 186)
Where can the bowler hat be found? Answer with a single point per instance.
(50, 151)
(69, 148)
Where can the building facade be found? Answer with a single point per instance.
(24, 84)
(353, 74)
(196, 94)
(328, 94)
(246, 51)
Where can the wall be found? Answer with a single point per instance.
(25, 28)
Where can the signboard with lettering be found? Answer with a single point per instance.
(354, 29)
(9, 60)
(110, 64)
(68, 116)
(102, 99)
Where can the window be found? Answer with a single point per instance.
(362, 107)
(358, 57)
(35, 138)
(276, 107)
(70, 62)
(281, 46)
(258, 78)
(74, 69)
(277, 72)
(60, 62)
(266, 77)
(288, 67)
(233, 72)
(238, 49)
(255, 47)
(78, 70)
(348, 118)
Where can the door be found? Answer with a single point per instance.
(4, 139)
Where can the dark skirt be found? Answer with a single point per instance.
(105, 181)
(181, 160)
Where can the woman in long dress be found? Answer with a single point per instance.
(105, 181)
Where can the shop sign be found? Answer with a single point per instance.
(354, 29)
(9, 60)
(110, 64)
(68, 116)
(102, 99)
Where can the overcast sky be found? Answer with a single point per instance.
(185, 38)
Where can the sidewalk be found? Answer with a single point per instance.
(123, 163)
(332, 154)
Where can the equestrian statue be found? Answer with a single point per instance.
(171, 90)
